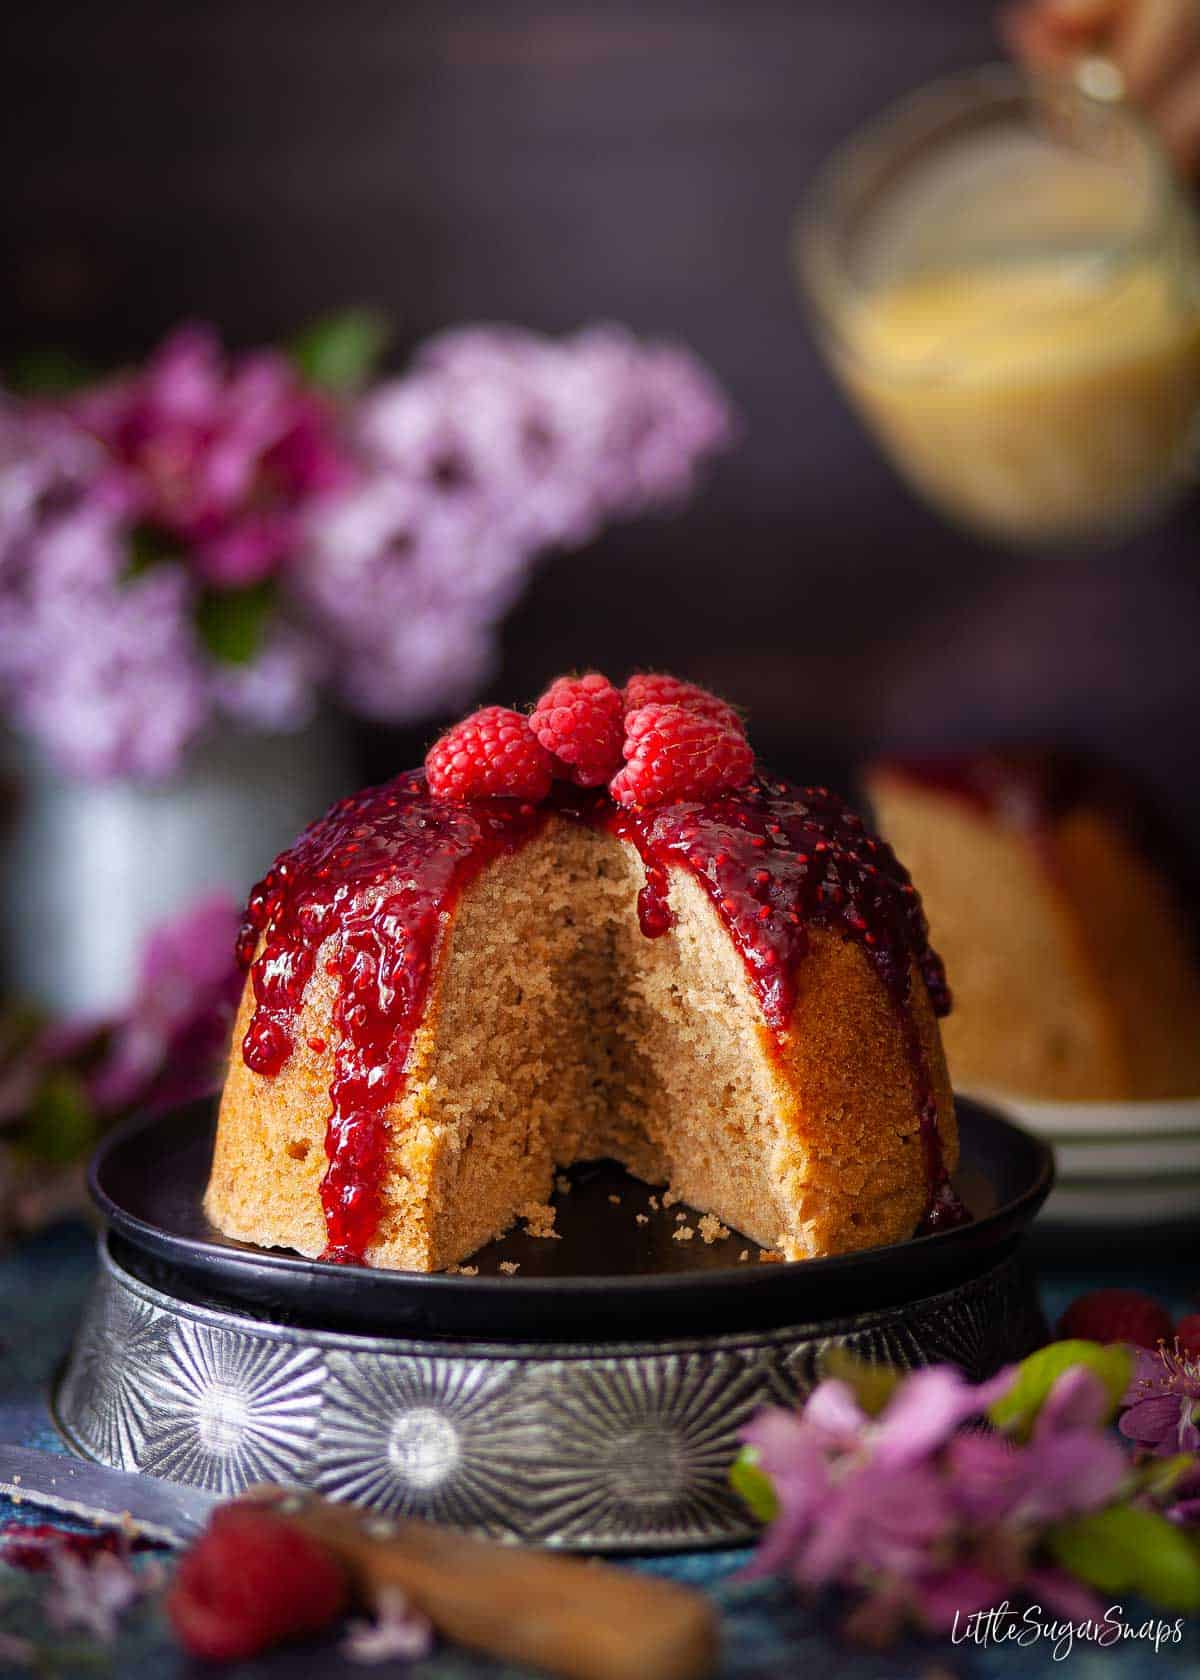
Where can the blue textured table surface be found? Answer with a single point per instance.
(768, 1633)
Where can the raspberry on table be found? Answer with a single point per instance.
(658, 688)
(250, 1580)
(493, 754)
(672, 753)
(580, 722)
(1117, 1315)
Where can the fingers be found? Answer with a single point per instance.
(1051, 34)
(1153, 42)
(1178, 117)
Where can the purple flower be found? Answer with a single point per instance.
(46, 466)
(399, 1632)
(169, 1046)
(219, 456)
(886, 1522)
(408, 593)
(1184, 1498)
(93, 1595)
(924, 1519)
(395, 535)
(552, 437)
(277, 689)
(1070, 1465)
(857, 1492)
(104, 671)
(1164, 1401)
(665, 415)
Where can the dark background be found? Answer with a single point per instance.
(261, 163)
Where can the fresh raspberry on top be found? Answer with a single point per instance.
(674, 754)
(656, 688)
(492, 754)
(1187, 1334)
(1117, 1315)
(579, 721)
(251, 1579)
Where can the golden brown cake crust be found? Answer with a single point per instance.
(1072, 977)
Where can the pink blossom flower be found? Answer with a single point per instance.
(856, 1490)
(219, 455)
(91, 1596)
(1070, 1465)
(394, 535)
(399, 1632)
(1164, 1401)
(923, 1518)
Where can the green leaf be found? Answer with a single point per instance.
(232, 623)
(20, 1023)
(61, 1125)
(1126, 1549)
(47, 373)
(1016, 1410)
(873, 1385)
(148, 548)
(1158, 1477)
(340, 352)
(753, 1486)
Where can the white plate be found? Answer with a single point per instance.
(1094, 1120)
(1131, 1203)
(1144, 1157)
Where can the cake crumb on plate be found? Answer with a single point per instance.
(684, 1233)
(615, 1200)
(711, 1228)
(510, 1268)
(744, 1255)
(539, 1219)
(642, 1218)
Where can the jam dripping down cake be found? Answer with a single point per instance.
(1056, 894)
(598, 930)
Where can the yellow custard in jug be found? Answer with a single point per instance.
(1009, 283)
(1041, 400)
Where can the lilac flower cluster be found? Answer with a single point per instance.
(927, 1521)
(498, 445)
(370, 546)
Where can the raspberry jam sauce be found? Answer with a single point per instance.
(370, 886)
(369, 889)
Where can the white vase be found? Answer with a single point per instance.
(92, 866)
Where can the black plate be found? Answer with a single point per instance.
(609, 1275)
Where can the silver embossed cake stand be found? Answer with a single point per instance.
(592, 1400)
